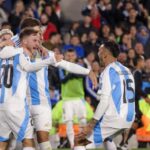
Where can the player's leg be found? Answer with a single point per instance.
(4, 131)
(68, 111)
(42, 122)
(109, 144)
(3, 145)
(27, 139)
(98, 136)
(21, 127)
(80, 111)
(28, 144)
(43, 140)
(12, 143)
(70, 132)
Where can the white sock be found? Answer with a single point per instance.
(83, 122)
(79, 148)
(45, 146)
(28, 148)
(70, 133)
(110, 145)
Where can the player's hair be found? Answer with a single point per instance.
(29, 22)
(27, 32)
(70, 50)
(112, 47)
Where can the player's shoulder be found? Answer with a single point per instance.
(116, 68)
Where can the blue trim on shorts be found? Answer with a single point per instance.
(97, 133)
(24, 125)
(3, 139)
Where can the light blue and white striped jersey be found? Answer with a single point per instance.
(117, 83)
(38, 91)
(13, 83)
(16, 40)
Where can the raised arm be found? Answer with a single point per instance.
(72, 67)
(27, 66)
(9, 51)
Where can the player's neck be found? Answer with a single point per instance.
(110, 60)
(27, 51)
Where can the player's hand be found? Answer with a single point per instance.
(87, 130)
(7, 43)
(93, 78)
(58, 57)
(43, 51)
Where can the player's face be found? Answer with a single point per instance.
(37, 28)
(5, 37)
(32, 42)
(70, 56)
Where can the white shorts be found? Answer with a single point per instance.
(17, 122)
(100, 134)
(73, 108)
(102, 131)
(41, 116)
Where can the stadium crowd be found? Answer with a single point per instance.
(127, 22)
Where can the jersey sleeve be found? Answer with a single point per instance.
(28, 66)
(10, 51)
(72, 67)
(104, 93)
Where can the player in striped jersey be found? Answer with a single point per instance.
(115, 110)
(14, 113)
(40, 98)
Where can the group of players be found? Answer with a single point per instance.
(25, 98)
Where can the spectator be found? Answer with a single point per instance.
(47, 27)
(88, 60)
(3, 15)
(91, 44)
(54, 41)
(91, 94)
(105, 31)
(16, 15)
(75, 44)
(143, 35)
(56, 7)
(133, 34)
(139, 49)
(130, 59)
(48, 9)
(86, 26)
(118, 33)
(125, 43)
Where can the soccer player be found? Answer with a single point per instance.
(38, 92)
(14, 112)
(115, 110)
(73, 96)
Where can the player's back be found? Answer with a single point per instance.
(13, 83)
(120, 86)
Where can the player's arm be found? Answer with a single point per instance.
(27, 66)
(102, 106)
(105, 92)
(77, 69)
(9, 51)
(70, 67)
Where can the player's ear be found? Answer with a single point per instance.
(24, 41)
